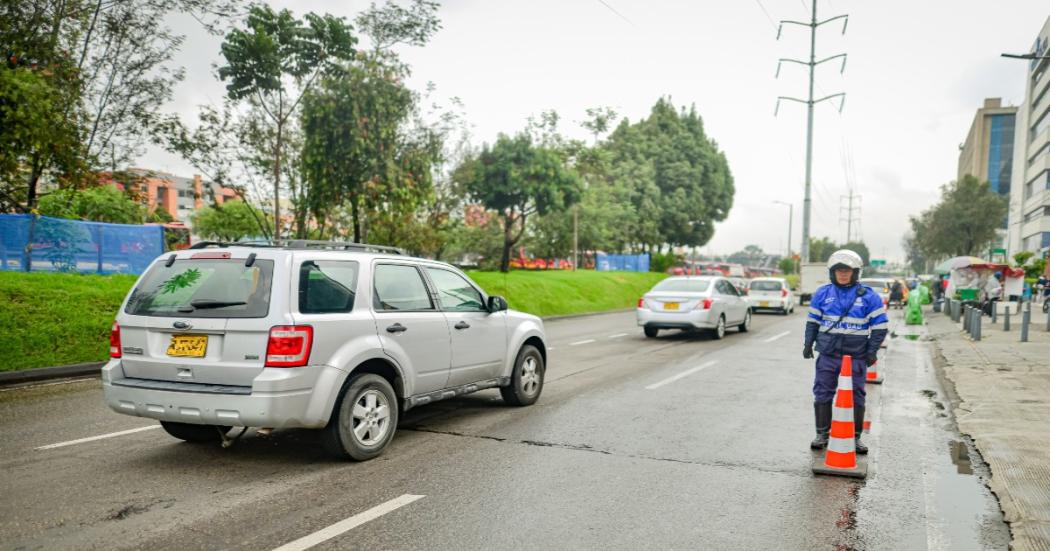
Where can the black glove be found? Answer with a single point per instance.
(872, 360)
(807, 352)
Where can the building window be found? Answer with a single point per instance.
(1040, 125)
(1001, 153)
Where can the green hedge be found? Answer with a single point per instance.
(557, 293)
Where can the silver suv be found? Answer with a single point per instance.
(334, 336)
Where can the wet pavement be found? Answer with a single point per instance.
(681, 442)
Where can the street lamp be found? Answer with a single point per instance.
(1025, 56)
(791, 216)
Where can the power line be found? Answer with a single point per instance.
(765, 11)
(621, 16)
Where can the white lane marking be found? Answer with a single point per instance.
(685, 373)
(775, 337)
(93, 438)
(618, 335)
(577, 343)
(549, 348)
(348, 524)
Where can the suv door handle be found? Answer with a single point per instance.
(462, 325)
(396, 328)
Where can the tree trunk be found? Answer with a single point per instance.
(508, 242)
(34, 180)
(357, 221)
(277, 182)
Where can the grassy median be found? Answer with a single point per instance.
(49, 319)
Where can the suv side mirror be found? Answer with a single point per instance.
(497, 304)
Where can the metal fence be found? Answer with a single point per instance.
(41, 243)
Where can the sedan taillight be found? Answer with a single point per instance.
(641, 302)
(704, 304)
(784, 293)
(289, 346)
(114, 341)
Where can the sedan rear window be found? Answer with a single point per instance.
(204, 288)
(765, 286)
(875, 284)
(683, 285)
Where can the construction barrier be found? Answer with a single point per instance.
(41, 243)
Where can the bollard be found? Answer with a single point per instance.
(966, 318)
(995, 314)
(975, 325)
(955, 310)
(1026, 318)
(1047, 318)
(1006, 318)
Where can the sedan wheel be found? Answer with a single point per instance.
(744, 327)
(720, 329)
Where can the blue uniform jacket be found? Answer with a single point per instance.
(859, 333)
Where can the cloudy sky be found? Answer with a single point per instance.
(916, 73)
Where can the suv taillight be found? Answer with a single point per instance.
(784, 293)
(114, 341)
(289, 345)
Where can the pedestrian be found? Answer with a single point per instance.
(993, 291)
(896, 294)
(845, 319)
(1040, 287)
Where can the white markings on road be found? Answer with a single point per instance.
(780, 336)
(93, 438)
(685, 373)
(348, 524)
(577, 343)
(618, 335)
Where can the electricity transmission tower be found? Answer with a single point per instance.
(813, 24)
(850, 212)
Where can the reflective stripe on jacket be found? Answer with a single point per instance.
(861, 330)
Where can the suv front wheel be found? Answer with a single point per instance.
(526, 383)
(363, 420)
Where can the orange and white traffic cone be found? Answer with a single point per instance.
(874, 377)
(841, 455)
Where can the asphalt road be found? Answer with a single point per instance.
(679, 442)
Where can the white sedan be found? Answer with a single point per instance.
(693, 303)
(770, 293)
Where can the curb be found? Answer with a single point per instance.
(587, 315)
(9, 378)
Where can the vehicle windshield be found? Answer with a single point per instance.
(204, 288)
(683, 285)
(765, 285)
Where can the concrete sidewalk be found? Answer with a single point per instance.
(1002, 389)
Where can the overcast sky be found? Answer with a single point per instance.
(917, 71)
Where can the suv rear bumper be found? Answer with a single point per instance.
(278, 398)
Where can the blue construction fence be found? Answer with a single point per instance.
(622, 262)
(41, 243)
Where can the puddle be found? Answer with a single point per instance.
(960, 457)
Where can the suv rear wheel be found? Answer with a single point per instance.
(194, 433)
(363, 420)
(526, 383)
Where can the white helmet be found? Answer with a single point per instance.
(848, 259)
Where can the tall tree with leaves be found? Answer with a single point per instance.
(964, 222)
(275, 61)
(518, 179)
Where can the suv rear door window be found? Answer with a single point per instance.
(455, 293)
(204, 288)
(327, 286)
(400, 288)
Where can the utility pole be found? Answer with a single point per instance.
(791, 216)
(813, 24)
(575, 236)
(850, 209)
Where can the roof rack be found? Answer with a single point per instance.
(339, 245)
(303, 244)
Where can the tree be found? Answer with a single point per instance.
(691, 176)
(275, 61)
(598, 120)
(964, 222)
(858, 247)
(787, 266)
(230, 221)
(916, 258)
(518, 179)
(393, 24)
(820, 249)
(97, 204)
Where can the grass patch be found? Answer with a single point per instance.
(57, 319)
(558, 293)
(49, 319)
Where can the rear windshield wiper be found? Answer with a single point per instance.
(205, 303)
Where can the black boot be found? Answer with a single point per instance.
(822, 415)
(858, 424)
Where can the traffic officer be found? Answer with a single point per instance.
(845, 319)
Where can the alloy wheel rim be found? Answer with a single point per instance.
(721, 326)
(530, 377)
(371, 417)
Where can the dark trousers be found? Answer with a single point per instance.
(826, 379)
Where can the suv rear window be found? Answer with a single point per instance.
(765, 286)
(683, 285)
(327, 287)
(204, 288)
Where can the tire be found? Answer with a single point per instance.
(526, 383)
(746, 325)
(719, 332)
(364, 419)
(194, 433)
(651, 332)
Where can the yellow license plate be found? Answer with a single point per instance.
(764, 304)
(192, 346)
(670, 306)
